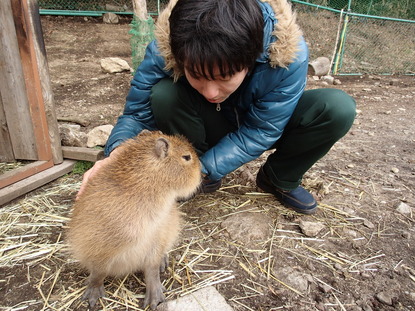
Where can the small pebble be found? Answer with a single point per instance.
(406, 235)
(384, 298)
(368, 224)
(404, 209)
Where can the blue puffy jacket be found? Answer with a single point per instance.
(265, 101)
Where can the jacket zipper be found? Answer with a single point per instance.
(237, 116)
(218, 108)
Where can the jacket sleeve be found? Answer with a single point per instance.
(137, 113)
(264, 121)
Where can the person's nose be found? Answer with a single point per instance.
(210, 89)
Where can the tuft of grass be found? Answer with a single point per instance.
(81, 167)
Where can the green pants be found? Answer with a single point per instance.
(320, 119)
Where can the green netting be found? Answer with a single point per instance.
(360, 36)
(124, 6)
(378, 46)
(404, 9)
(357, 43)
(142, 33)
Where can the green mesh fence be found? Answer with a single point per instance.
(142, 33)
(360, 43)
(404, 9)
(359, 36)
(121, 6)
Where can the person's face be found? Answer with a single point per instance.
(220, 88)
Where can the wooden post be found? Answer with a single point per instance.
(43, 69)
(28, 121)
(24, 33)
(13, 89)
(6, 150)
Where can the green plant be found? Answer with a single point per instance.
(81, 167)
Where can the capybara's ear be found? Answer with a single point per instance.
(162, 147)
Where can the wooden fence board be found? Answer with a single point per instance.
(13, 89)
(6, 150)
(26, 185)
(23, 172)
(48, 100)
(82, 153)
(24, 33)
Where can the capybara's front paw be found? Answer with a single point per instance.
(154, 296)
(92, 294)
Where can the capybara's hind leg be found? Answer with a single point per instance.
(154, 289)
(95, 288)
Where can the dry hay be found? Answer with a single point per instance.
(6, 167)
(31, 237)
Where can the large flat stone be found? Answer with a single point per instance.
(205, 299)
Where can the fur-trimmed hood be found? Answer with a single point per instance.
(280, 46)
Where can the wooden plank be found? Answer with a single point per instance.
(24, 33)
(26, 185)
(43, 69)
(13, 90)
(6, 150)
(18, 174)
(82, 153)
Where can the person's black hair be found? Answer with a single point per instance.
(209, 33)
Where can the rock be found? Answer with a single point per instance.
(338, 266)
(247, 227)
(406, 235)
(293, 278)
(110, 18)
(328, 79)
(350, 233)
(320, 306)
(366, 275)
(98, 136)
(325, 288)
(72, 136)
(337, 82)
(205, 299)
(393, 81)
(366, 307)
(310, 228)
(404, 209)
(384, 298)
(395, 170)
(368, 224)
(319, 67)
(114, 64)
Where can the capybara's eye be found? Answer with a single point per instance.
(187, 157)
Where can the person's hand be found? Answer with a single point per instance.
(93, 170)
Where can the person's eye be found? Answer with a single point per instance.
(225, 79)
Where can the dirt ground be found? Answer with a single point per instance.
(362, 259)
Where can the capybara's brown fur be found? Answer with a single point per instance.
(126, 219)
